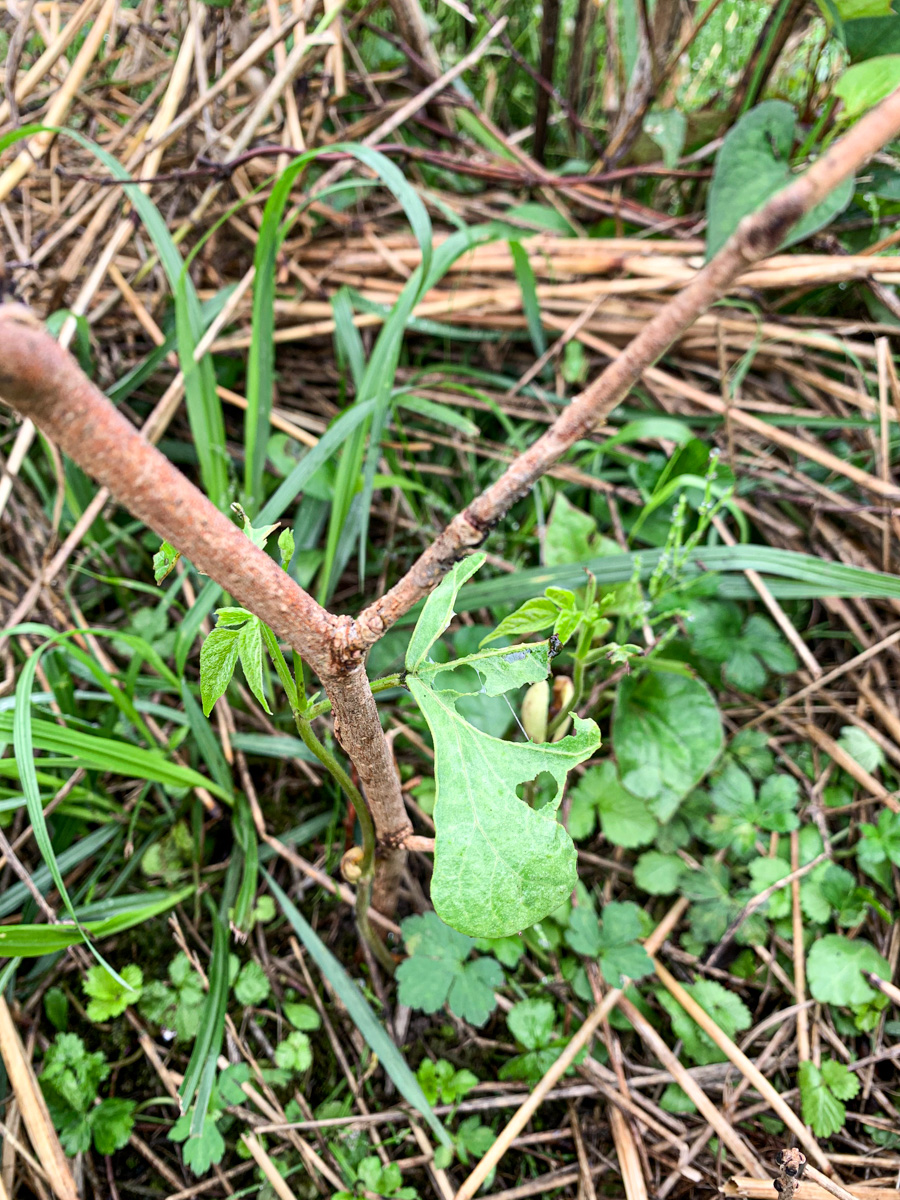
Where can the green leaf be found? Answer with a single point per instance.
(218, 658)
(821, 1092)
(440, 1081)
(164, 561)
(499, 864)
(286, 547)
(834, 970)
(879, 845)
(533, 617)
(753, 165)
(250, 652)
(294, 1053)
(56, 1006)
(571, 534)
(866, 84)
(360, 1012)
(437, 973)
(498, 670)
(659, 874)
(667, 733)
(108, 997)
(251, 986)
(474, 1138)
(870, 37)
(840, 1079)
(624, 819)
(507, 950)
(302, 1016)
(727, 1010)
(531, 1023)
(612, 941)
(111, 1124)
(71, 1073)
(858, 744)
(777, 802)
(438, 610)
(201, 1148)
(668, 128)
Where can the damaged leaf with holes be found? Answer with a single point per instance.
(499, 864)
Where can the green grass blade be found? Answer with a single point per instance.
(347, 340)
(261, 359)
(203, 406)
(530, 303)
(789, 574)
(34, 941)
(104, 754)
(23, 747)
(210, 750)
(200, 1075)
(360, 1012)
(84, 848)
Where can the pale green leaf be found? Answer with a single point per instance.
(531, 1022)
(821, 1093)
(667, 733)
(498, 670)
(250, 643)
(218, 658)
(865, 84)
(533, 616)
(437, 612)
(499, 865)
(834, 969)
(659, 874)
(753, 165)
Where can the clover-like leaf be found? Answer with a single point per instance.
(612, 941)
(438, 973)
(821, 1092)
(835, 968)
(108, 997)
(727, 1010)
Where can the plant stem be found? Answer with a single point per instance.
(351, 791)
(367, 827)
(366, 932)
(384, 684)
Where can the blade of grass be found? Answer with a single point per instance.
(33, 941)
(360, 1012)
(798, 576)
(200, 1075)
(104, 754)
(18, 893)
(261, 359)
(530, 303)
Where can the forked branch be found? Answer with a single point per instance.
(45, 383)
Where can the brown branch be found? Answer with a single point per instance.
(756, 237)
(42, 381)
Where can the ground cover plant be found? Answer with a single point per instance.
(564, 352)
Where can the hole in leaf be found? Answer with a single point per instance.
(539, 792)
